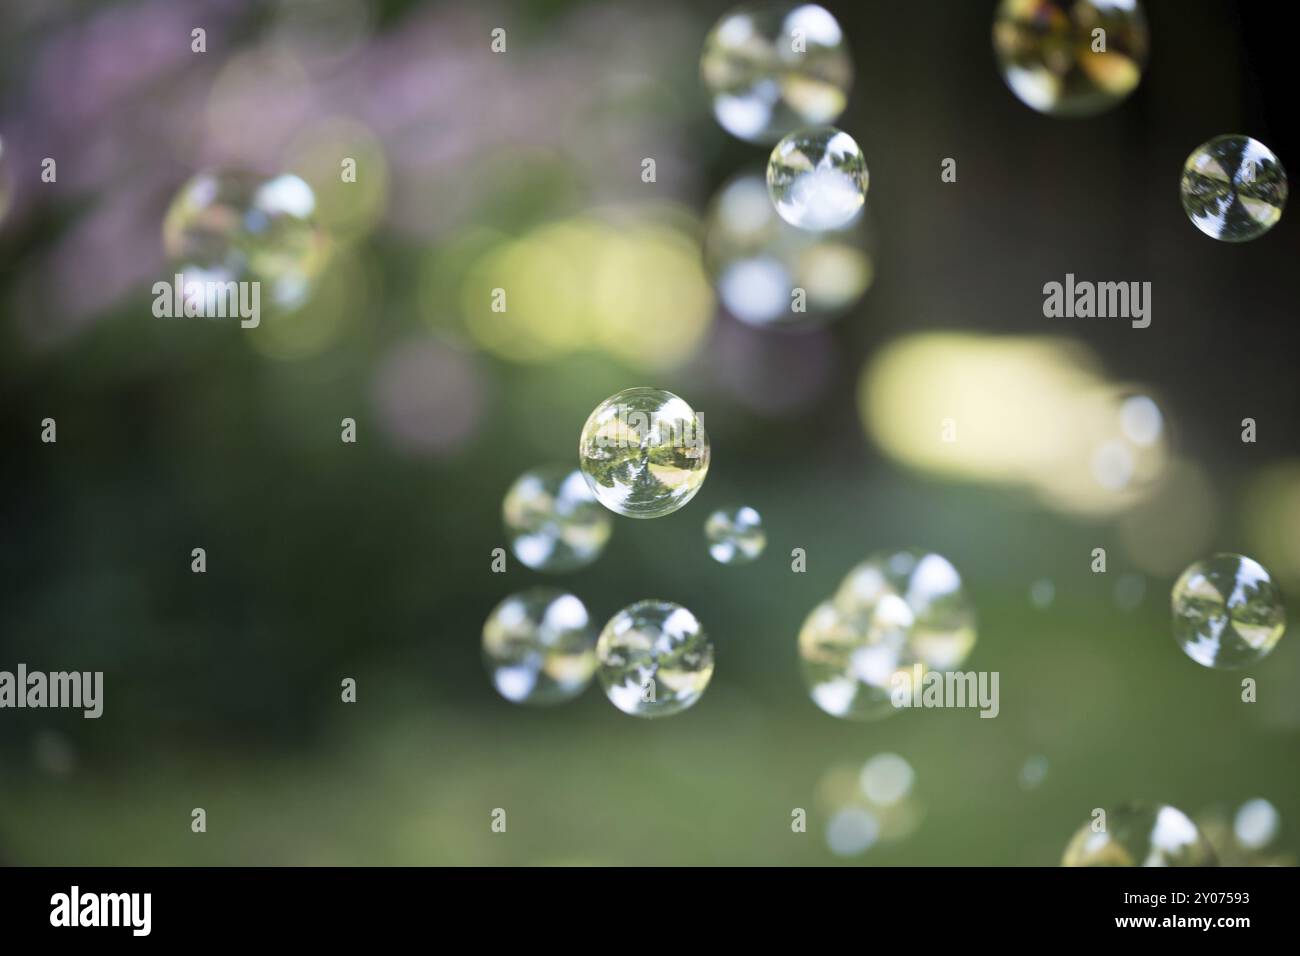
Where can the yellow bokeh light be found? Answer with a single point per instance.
(633, 288)
(1034, 412)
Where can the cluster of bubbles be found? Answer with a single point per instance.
(868, 804)
(893, 613)
(1078, 58)
(780, 73)
(652, 658)
(643, 453)
(236, 226)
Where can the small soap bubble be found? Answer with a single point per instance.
(1033, 772)
(1042, 593)
(1233, 188)
(654, 659)
(735, 535)
(554, 521)
(1256, 824)
(644, 452)
(817, 178)
(892, 612)
(539, 647)
(235, 226)
(771, 68)
(852, 831)
(1070, 57)
(886, 779)
(1227, 612)
(1141, 835)
(768, 273)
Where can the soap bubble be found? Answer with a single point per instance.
(886, 779)
(1033, 772)
(817, 178)
(235, 226)
(1141, 835)
(654, 659)
(539, 647)
(771, 68)
(1070, 57)
(939, 626)
(757, 260)
(1255, 824)
(735, 535)
(852, 831)
(892, 612)
(554, 521)
(1227, 612)
(1042, 593)
(644, 452)
(1233, 188)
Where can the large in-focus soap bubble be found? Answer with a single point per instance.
(654, 659)
(554, 521)
(237, 226)
(892, 612)
(644, 452)
(1233, 188)
(771, 68)
(1070, 57)
(539, 647)
(1227, 612)
(770, 274)
(1140, 835)
(817, 178)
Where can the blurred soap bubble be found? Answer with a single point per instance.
(1033, 772)
(236, 225)
(772, 67)
(1256, 824)
(769, 274)
(1042, 593)
(852, 831)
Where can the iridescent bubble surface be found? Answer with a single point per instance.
(1140, 835)
(654, 659)
(770, 274)
(539, 647)
(237, 226)
(1070, 57)
(644, 452)
(1233, 188)
(770, 68)
(817, 178)
(735, 535)
(554, 521)
(892, 612)
(1227, 612)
